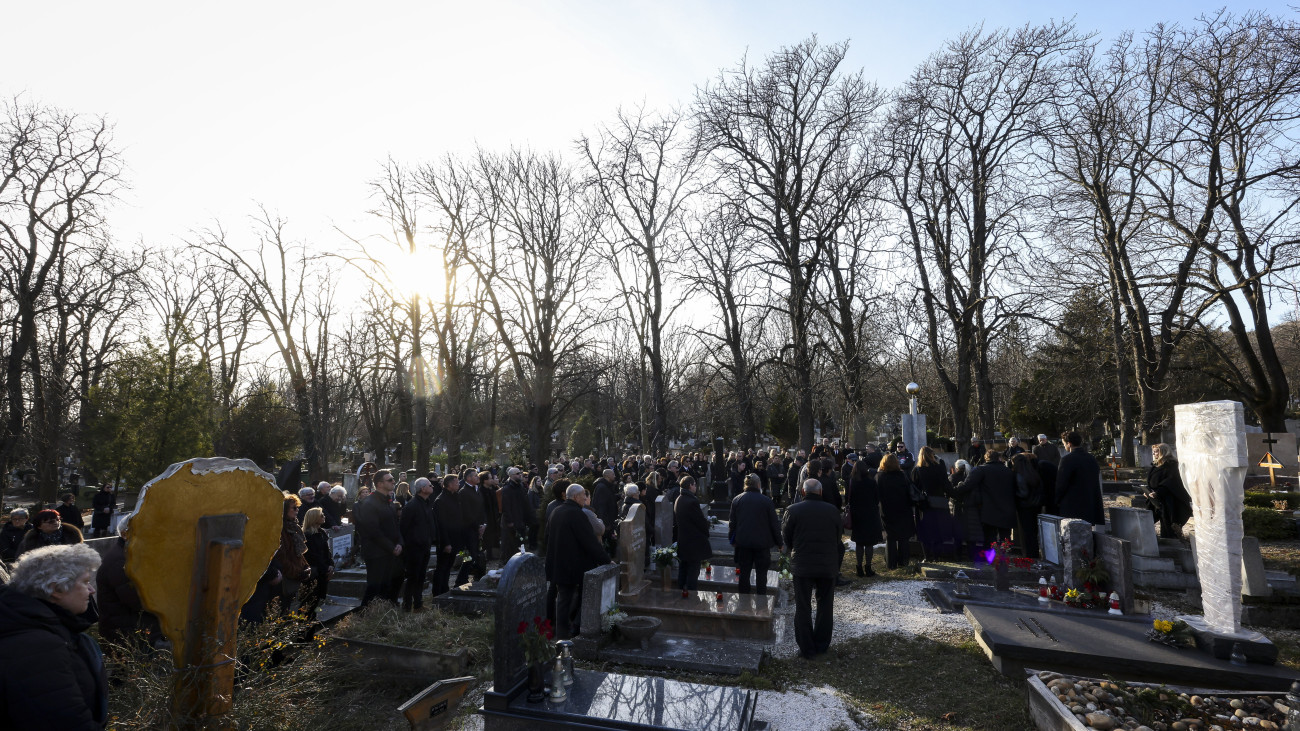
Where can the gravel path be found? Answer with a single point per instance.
(883, 606)
(805, 709)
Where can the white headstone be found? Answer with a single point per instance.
(1211, 443)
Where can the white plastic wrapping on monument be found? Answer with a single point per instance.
(1211, 444)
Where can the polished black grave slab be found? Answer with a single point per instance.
(944, 597)
(1016, 640)
(692, 654)
(628, 703)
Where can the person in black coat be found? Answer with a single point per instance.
(975, 452)
(335, 504)
(489, 492)
(1078, 483)
(812, 529)
(651, 498)
(1166, 494)
(11, 535)
(1047, 476)
(604, 502)
(52, 676)
(935, 525)
(692, 536)
(70, 514)
(453, 533)
(864, 514)
(571, 551)
(896, 512)
(966, 512)
(473, 512)
(753, 530)
(121, 615)
(320, 558)
(419, 536)
(518, 519)
(1029, 500)
(993, 486)
(102, 507)
(380, 540)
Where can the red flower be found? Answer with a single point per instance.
(523, 626)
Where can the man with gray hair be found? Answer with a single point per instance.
(517, 517)
(1045, 451)
(604, 502)
(420, 535)
(571, 551)
(11, 535)
(812, 529)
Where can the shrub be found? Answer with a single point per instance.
(1265, 499)
(1267, 524)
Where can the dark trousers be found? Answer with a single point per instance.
(688, 575)
(757, 559)
(383, 576)
(866, 554)
(1027, 534)
(898, 551)
(416, 562)
(510, 543)
(442, 571)
(813, 638)
(994, 534)
(552, 591)
(568, 600)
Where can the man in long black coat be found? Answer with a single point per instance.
(517, 517)
(102, 506)
(472, 510)
(995, 484)
(1078, 483)
(753, 529)
(419, 536)
(604, 502)
(571, 551)
(812, 530)
(380, 540)
(453, 533)
(692, 535)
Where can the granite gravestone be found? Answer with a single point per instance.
(1116, 555)
(663, 522)
(631, 554)
(599, 589)
(521, 597)
(1136, 526)
(1255, 579)
(1076, 540)
(1049, 537)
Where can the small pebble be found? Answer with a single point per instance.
(1237, 703)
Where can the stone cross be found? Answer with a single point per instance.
(1211, 443)
(1270, 462)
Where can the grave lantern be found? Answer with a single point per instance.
(961, 584)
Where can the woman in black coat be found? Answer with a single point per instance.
(1165, 492)
(896, 512)
(52, 676)
(864, 510)
(966, 512)
(936, 526)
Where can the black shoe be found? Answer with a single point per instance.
(860, 570)
(841, 581)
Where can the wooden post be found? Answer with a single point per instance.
(205, 682)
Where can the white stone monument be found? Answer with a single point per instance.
(1211, 443)
(913, 422)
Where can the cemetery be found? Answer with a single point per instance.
(650, 367)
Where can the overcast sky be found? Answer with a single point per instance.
(295, 104)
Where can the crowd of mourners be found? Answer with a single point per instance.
(811, 505)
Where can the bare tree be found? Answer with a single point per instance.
(57, 171)
(960, 132)
(645, 169)
(789, 141)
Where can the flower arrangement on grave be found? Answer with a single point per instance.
(783, 567)
(999, 553)
(664, 556)
(713, 520)
(463, 556)
(538, 639)
(708, 568)
(1092, 575)
(1174, 634)
(612, 617)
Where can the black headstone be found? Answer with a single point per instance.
(521, 596)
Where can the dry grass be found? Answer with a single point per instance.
(434, 630)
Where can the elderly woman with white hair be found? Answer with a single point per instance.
(53, 674)
(333, 502)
